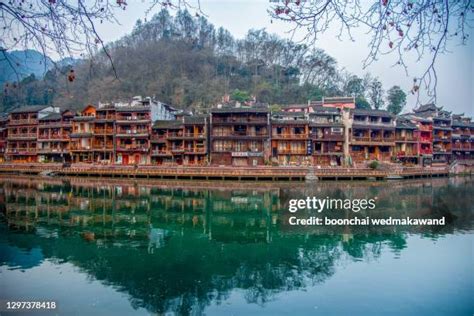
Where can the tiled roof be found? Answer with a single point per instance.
(197, 119)
(427, 107)
(332, 100)
(325, 110)
(405, 124)
(382, 113)
(168, 124)
(240, 110)
(30, 109)
(288, 114)
(51, 117)
(457, 123)
(132, 109)
(83, 118)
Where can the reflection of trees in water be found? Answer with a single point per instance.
(207, 243)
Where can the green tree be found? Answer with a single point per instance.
(354, 87)
(240, 96)
(396, 100)
(376, 94)
(362, 103)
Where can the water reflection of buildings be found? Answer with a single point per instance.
(196, 244)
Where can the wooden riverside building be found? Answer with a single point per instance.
(327, 136)
(441, 131)
(54, 131)
(240, 136)
(330, 132)
(82, 135)
(373, 135)
(182, 142)
(103, 139)
(290, 138)
(462, 138)
(406, 141)
(23, 132)
(132, 135)
(3, 137)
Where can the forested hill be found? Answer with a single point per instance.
(185, 61)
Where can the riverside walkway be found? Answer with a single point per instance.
(262, 173)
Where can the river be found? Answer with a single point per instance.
(100, 247)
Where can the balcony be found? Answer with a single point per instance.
(159, 153)
(132, 147)
(105, 117)
(42, 137)
(425, 140)
(31, 136)
(239, 120)
(186, 135)
(190, 151)
(81, 133)
(23, 122)
(399, 138)
(465, 146)
(299, 151)
(20, 151)
(240, 135)
(55, 150)
(290, 136)
(369, 123)
(102, 146)
(334, 137)
(78, 147)
(132, 133)
(158, 138)
(425, 128)
(132, 119)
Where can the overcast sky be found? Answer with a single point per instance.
(455, 83)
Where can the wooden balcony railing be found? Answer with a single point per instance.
(53, 136)
(291, 151)
(103, 145)
(132, 118)
(425, 140)
(425, 128)
(132, 132)
(79, 147)
(195, 150)
(361, 138)
(23, 122)
(52, 150)
(21, 151)
(132, 147)
(22, 135)
(105, 117)
(262, 120)
(405, 138)
(290, 136)
(462, 146)
(160, 153)
(240, 135)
